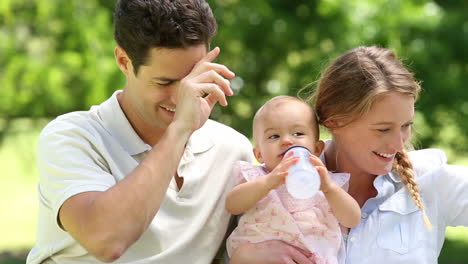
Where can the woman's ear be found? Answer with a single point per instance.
(331, 125)
(123, 61)
(258, 154)
(319, 146)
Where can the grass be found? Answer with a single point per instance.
(18, 189)
(18, 200)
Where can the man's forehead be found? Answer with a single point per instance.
(165, 64)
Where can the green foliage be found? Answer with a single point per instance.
(278, 47)
(57, 57)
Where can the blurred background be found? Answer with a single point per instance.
(57, 56)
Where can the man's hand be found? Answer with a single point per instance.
(201, 89)
(270, 252)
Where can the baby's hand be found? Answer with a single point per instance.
(278, 175)
(326, 184)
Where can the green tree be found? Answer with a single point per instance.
(57, 57)
(277, 47)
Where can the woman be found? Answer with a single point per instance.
(365, 98)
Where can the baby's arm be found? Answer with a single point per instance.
(245, 195)
(344, 207)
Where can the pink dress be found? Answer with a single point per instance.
(308, 223)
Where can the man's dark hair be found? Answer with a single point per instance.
(140, 25)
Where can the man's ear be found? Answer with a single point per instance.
(319, 146)
(258, 154)
(123, 61)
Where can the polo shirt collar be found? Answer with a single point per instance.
(200, 140)
(117, 124)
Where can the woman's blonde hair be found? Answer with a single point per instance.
(349, 87)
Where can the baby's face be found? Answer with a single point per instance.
(281, 127)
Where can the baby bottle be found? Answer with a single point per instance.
(303, 180)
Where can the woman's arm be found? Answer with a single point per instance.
(245, 195)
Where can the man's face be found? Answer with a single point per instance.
(149, 98)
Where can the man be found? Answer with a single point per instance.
(142, 177)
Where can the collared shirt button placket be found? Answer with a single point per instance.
(353, 243)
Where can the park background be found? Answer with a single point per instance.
(57, 56)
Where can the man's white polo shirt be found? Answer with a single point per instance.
(92, 150)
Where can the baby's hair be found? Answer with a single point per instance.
(349, 87)
(280, 99)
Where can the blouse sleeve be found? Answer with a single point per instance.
(447, 185)
(453, 197)
(244, 172)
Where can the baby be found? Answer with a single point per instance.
(269, 212)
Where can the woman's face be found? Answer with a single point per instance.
(368, 145)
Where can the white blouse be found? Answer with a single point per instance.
(392, 228)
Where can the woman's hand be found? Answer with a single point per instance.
(270, 252)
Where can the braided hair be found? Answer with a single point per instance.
(349, 87)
